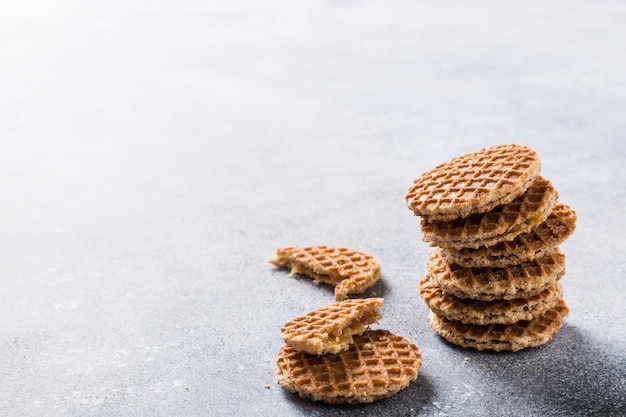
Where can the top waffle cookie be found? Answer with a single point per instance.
(349, 270)
(474, 183)
(330, 329)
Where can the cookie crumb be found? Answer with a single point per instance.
(267, 386)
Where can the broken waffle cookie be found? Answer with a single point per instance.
(525, 247)
(503, 223)
(330, 329)
(470, 311)
(517, 281)
(501, 337)
(348, 270)
(473, 183)
(377, 365)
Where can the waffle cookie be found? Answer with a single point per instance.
(501, 224)
(473, 183)
(348, 270)
(500, 337)
(470, 311)
(525, 247)
(377, 365)
(517, 281)
(330, 329)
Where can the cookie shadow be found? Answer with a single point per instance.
(573, 375)
(379, 289)
(409, 401)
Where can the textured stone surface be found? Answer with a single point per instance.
(155, 154)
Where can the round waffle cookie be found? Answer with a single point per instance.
(501, 337)
(377, 365)
(503, 223)
(348, 270)
(517, 281)
(330, 329)
(470, 311)
(525, 247)
(473, 183)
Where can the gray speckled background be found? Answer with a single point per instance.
(154, 155)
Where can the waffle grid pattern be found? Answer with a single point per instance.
(517, 281)
(316, 331)
(488, 176)
(516, 336)
(351, 271)
(377, 365)
(504, 222)
(527, 246)
(472, 311)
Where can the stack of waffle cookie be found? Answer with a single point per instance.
(332, 355)
(493, 280)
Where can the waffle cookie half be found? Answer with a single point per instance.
(503, 223)
(348, 270)
(473, 183)
(470, 311)
(377, 365)
(501, 337)
(517, 281)
(330, 329)
(525, 247)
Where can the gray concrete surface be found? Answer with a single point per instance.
(154, 155)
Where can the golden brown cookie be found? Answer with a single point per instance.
(502, 337)
(473, 183)
(470, 311)
(377, 365)
(330, 329)
(501, 224)
(517, 281)
(348, 270)
(525, 247)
